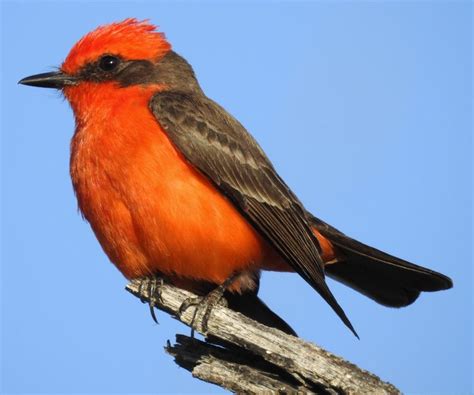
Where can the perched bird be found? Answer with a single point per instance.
(174, 186)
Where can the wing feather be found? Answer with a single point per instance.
(219, 146)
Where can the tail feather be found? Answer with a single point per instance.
(250, 305)
(384, 278)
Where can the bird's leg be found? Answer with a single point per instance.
(151, 287)
(208, 301)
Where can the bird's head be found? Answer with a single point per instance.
(119, 55)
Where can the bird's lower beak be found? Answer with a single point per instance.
(56, 79)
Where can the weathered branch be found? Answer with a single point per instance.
(244, 356)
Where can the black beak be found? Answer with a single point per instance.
(55, 79)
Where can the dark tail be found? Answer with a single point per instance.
(384, 278)
(252, 306)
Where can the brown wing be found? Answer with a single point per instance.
(220, 147)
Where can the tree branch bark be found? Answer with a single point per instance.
(242, 355)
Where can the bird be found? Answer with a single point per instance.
(174, 186)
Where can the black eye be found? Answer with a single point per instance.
(108, 62)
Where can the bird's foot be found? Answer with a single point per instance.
(149, 290)
(206, 303)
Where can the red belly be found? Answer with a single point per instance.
(153, 212)
(149, 208)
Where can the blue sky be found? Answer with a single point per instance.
(365, 110)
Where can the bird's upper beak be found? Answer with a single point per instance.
(56, 79)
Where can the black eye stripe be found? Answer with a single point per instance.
(109, 67)
(104, 68)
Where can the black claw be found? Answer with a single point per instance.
(188, 303)
(141, 288)
(151, 294)
(152, 312)
(152, 285)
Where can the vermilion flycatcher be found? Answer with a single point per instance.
(173, 185)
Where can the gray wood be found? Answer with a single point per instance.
(256, 358)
